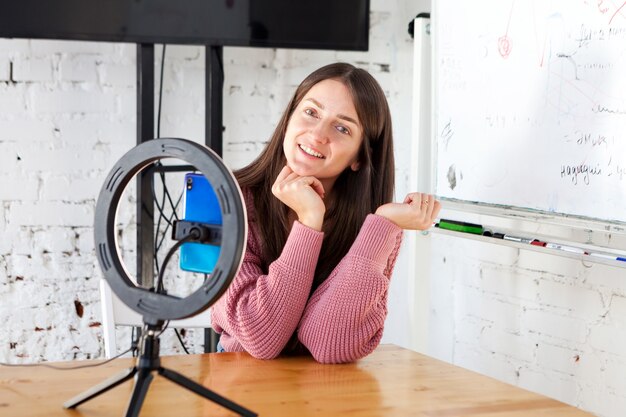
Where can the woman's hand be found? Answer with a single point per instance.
(303, 195)
(417, 212)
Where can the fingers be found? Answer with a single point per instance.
(436, 209)
(427, 207)
(424, 201)
(317, 186)
(287, 179)
(284, 173)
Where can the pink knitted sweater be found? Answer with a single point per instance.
(342, 320)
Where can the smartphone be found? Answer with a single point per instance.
(200, 205)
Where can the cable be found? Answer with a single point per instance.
(158, 163)
(182, 343)
(173, 249)
(161, 207)
(180, 197)
(65, 368)
(158, 132)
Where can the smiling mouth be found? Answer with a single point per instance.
(311, 152)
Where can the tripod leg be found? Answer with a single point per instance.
(185, 382)
(142, 382)
(102, 387)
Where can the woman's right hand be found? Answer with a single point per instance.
(303, 195)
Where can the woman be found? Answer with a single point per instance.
(323, 233)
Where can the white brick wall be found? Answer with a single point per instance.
(548, 324)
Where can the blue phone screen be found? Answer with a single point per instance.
(201, 205)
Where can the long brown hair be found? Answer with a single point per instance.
(356, 193)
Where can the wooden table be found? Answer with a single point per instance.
(390, 382)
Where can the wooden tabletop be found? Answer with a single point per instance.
(390, 382)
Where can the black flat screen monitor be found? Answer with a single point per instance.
(320, 24)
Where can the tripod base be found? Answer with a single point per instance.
(147, 363)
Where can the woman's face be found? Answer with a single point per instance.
(324, 134)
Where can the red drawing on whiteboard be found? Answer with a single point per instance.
(504, 42)
(601, 8)
(619, 9)
(504, 46)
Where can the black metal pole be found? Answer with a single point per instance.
(214, 96)
(145, 131)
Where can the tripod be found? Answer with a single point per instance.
(148, 362)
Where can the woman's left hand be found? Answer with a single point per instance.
(417, 212)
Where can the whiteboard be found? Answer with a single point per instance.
(530, 105)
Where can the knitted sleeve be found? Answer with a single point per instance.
(260, 312)
(343, 321)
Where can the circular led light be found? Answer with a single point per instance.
(156, 307)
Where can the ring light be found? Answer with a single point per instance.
(152, 305)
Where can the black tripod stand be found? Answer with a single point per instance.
(147, 362)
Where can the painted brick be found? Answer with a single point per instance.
(46, 47)
(13, 47)
(547, 324)
(86, 132)
(11, 100)
(614, 375)
(118, 74)
(193, 79)
(606, 276)
(176, 104)
(184, 53)
(484, 362)
(5, 69)
(50, 214)
(63, 160)
(84, 239)
(247, 56)
(608, 337)
(507, 344)
(554, 385)
(601, 402)
(546, 262)
(126, 106)
(117, 132)
(73, 102)
(469, 329)
(441, 320)
(16, 240)
(185, 127)
(617, 310)
(79, 68)
(63, 188)
(476, 303)
(25, 130)
(24, 189)
(572, 299)
(510, 283)
(560, 359)
(54, 239)
(33, 70)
